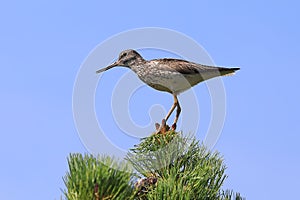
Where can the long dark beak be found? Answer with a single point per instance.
(108, 67)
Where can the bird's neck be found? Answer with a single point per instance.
(138, 61)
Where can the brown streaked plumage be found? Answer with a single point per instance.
(169, 75)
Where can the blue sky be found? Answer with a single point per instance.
(44, 43)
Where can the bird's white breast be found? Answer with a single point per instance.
(164, 80)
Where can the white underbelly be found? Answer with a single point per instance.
(173, 82)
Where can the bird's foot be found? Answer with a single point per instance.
(163, 128)
(174, 126)
(157, 126)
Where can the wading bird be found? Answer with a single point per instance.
(169, 75)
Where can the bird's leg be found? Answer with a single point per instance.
(173, 107)
(164, 127)
(178, 110)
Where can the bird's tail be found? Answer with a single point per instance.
(228, 71)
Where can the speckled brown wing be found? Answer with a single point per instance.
(189, 68)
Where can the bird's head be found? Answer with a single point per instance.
(127, 58)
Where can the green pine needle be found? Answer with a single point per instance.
(169, 166)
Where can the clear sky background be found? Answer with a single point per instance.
(43, 44)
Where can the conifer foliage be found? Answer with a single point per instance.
(164, 166)
(97, 178)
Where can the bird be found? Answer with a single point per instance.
(168, 75)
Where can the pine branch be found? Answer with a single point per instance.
(184, 169)
(169, 166)
(96, 178)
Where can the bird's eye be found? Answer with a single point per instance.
(123, 55)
